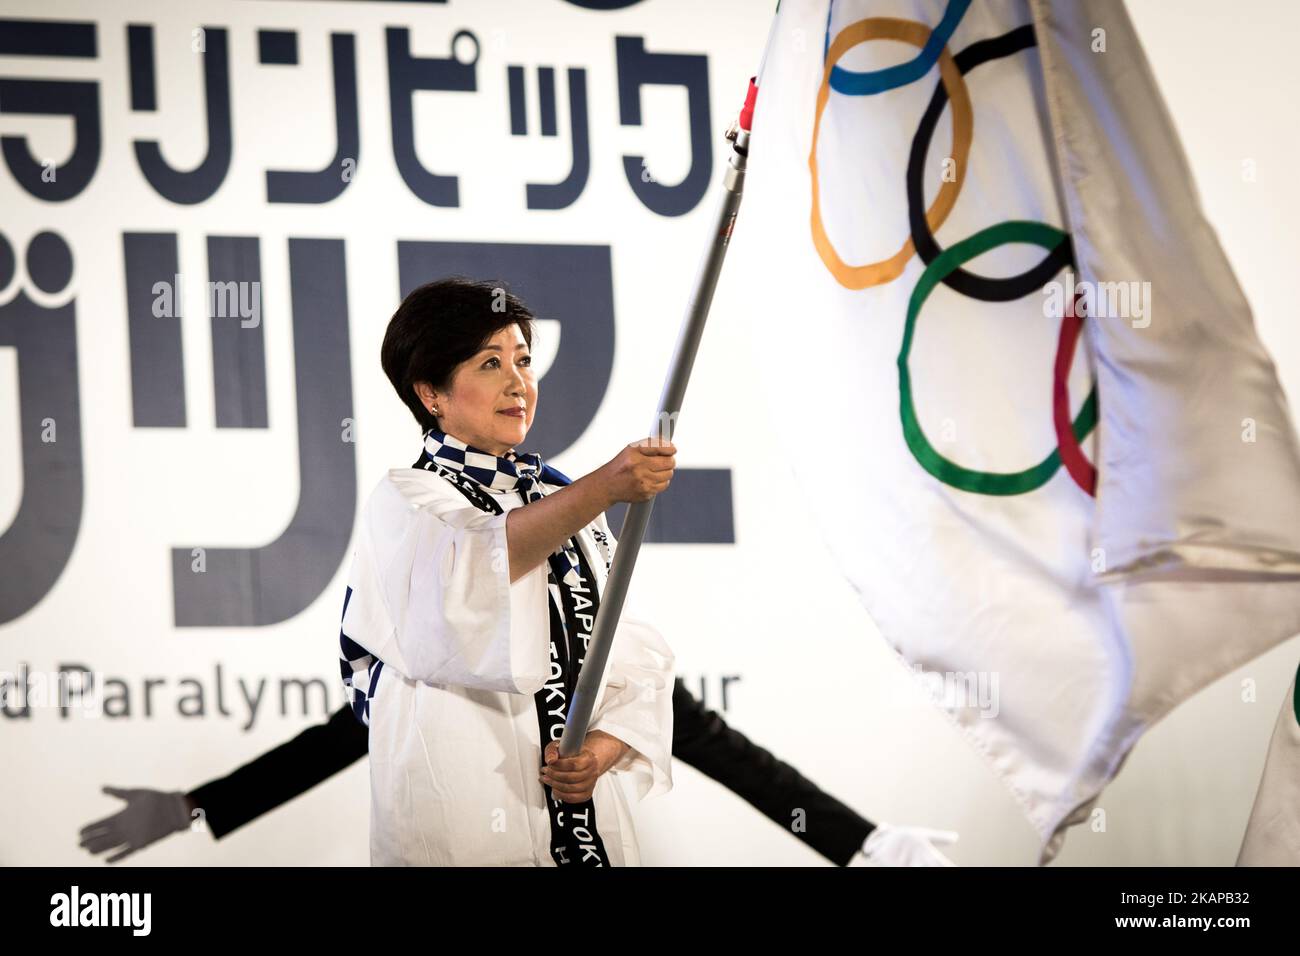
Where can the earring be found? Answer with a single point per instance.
(435, 411)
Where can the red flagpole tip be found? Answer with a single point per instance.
(747, 113)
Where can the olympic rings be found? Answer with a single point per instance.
(990, 482)
(969, 284)
(852, 83)
(917, 34)
(944, 265)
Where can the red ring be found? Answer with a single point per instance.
(1076, 463)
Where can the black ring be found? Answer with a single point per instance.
(968, 283)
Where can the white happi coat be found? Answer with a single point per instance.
(454, 740)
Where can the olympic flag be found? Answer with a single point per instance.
(1069, 465)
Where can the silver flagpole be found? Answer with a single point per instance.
(670, 404)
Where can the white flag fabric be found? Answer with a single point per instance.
(1273, 832)
(971, 232)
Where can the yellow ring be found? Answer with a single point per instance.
(907, 31)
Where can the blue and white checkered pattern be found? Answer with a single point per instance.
(514, 472)
(360, 671)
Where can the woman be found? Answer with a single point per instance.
(472, 594)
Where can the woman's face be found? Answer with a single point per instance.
(486, 389)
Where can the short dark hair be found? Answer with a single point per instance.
(441, 324)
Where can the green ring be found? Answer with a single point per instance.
(1295, 696)
(949, 472)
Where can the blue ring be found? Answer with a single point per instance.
(852, 83)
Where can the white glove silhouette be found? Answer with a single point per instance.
(149, 815)
(892, 845)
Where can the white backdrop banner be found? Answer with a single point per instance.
(211, 210)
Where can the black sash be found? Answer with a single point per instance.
(574, 838)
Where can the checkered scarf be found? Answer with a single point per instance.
(471, 470)
(513, 472)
